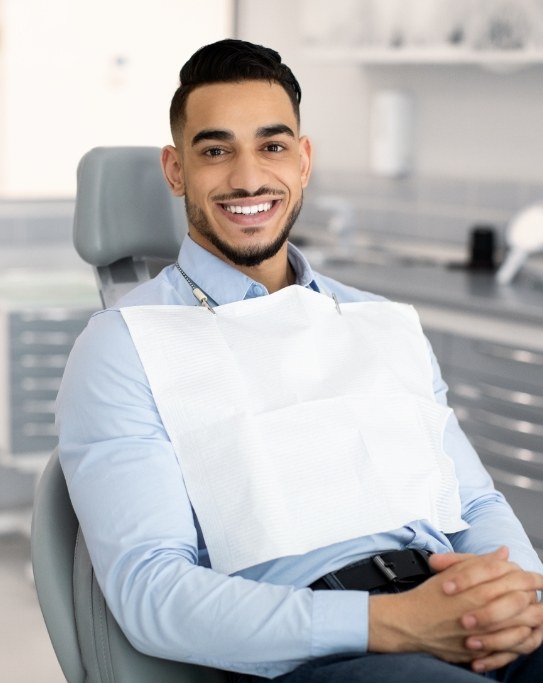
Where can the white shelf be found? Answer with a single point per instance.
(424, 56)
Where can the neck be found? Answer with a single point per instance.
(275, 273)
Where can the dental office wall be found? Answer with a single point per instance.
(75, 74)
(470, 122)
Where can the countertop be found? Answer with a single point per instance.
(435, 280)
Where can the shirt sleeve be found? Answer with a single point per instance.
(128, 493)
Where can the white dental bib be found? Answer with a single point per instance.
(297, 427)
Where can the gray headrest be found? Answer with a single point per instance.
(124, 207)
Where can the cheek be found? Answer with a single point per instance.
(295, 183)
(197, 190)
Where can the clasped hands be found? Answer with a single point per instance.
(480, 610)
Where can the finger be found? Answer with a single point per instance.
(515, 580)
(498, 659)
(514, 639)
(493, 661)
(445, 560)
(476, 570)
(532, 616)
(496, 612)
(503, 599)
(440, 562)
(500, 579)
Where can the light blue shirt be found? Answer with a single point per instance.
(147, 551)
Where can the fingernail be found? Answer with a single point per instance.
(449, 587)
(479, 667)
(469, 621)
(475, 645)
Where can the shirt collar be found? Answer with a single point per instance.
(225, 284)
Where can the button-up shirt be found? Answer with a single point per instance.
(144, 540)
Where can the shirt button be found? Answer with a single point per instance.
(258, 290)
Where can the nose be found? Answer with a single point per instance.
(248, 173)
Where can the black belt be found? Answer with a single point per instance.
(397, 570)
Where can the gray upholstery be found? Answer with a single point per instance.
(125, 219)
(127, 223)
(89, 644)
(54, 531)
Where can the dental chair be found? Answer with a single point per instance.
(127, 226)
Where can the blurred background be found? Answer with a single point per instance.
(426, 122)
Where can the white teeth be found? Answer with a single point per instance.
(247, 210)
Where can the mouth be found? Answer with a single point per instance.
(244, 212)
(249, 210)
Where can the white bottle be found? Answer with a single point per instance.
(391, 133)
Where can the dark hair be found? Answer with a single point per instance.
(231, 61)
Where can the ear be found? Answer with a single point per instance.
(306, 159)
(172, 169)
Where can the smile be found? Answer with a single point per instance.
(249, 210)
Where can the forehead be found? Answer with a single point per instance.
(238, 107)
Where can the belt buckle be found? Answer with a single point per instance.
(385, 569)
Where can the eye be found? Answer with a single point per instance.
(214, 152)
(274, 147)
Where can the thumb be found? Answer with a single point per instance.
(440, 562)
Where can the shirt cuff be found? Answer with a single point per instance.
(340, 622)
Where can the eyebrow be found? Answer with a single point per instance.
(228, 135)
(274, 129)
(212, 134)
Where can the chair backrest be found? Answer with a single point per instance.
(88, 642)
(54, 532)
(125, 221)
(127, 224)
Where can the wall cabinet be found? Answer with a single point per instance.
(496, 390)
(36, 345)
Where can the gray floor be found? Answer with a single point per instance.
(26, 654)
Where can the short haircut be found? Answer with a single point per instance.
(231, 61)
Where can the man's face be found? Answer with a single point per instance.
(243, 168)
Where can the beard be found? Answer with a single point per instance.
(249, 256)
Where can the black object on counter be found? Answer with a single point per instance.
(482, 250)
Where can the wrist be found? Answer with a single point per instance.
(388, 624)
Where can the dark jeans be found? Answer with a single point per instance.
(402, 668)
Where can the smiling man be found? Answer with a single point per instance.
(272, 484)
(241, 165)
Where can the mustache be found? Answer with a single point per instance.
(243, 194)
